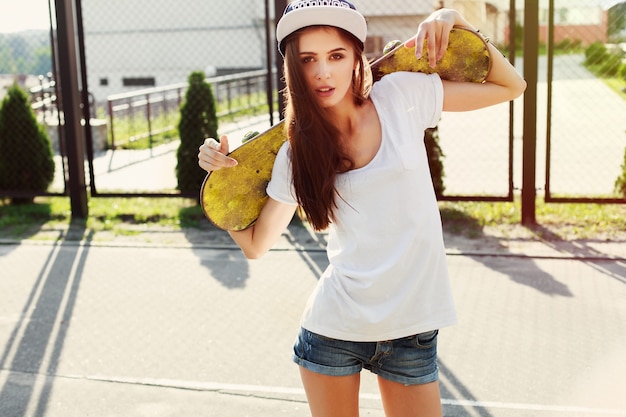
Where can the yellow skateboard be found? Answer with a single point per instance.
(232, 198)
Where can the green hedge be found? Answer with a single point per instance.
(198, 120)
(26, 158)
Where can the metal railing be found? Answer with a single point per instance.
(148, 112)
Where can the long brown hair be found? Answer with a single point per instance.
(316, 152)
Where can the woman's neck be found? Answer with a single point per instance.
(348, 117)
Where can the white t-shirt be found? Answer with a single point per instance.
(387, 276)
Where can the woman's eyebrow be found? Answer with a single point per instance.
(340, 49)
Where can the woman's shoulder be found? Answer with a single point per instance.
(400, 77)
(402, 82)
(284, 153)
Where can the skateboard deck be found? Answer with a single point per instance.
(232, 198)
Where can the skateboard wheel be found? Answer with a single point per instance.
(391, 45)
(250, 135)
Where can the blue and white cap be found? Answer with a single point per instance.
(303, 13)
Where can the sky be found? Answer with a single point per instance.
(17, 15)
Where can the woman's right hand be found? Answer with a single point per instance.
(212, 155)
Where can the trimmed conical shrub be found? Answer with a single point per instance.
(620, 182)
(435, 159)
(26, 159)
(198, 120)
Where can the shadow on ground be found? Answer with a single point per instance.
(53, 296)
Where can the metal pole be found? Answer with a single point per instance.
(512, 33)
(529, 148)
(85, 96)
(268, 57)
(70, 91)
(550, 77)
(111, 117)
(149, 116)
(279, 7)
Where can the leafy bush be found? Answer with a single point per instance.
(568, 45)
(620, 183)
(435, 159)
(26, 159)
(198, 120)
(610, 65)
(605, 63)
(595, 53)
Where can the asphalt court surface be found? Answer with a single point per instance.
(156, 330)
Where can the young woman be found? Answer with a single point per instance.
(356, 163)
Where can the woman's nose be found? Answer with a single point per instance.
(322, 70)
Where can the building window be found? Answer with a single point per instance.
(104, 82)
(138, 82)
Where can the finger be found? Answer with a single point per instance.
(205, 152)
(212, 160)
(443, 43)
(225, 148)
(212, 143)
(418, 41)
(223, 145)
(419, 45)
(411, 42)
(432, 47)
(211, 155)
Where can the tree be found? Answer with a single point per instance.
(435, 159)
(198, 120)
(617, 22)
(25, 53)
(26, 158)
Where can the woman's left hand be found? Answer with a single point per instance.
(435, 30)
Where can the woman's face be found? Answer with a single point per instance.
(328, 64)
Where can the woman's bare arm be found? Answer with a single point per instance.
(503, 82)
(274, 217)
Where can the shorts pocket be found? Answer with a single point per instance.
(426, 340)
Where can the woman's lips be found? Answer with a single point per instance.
(325, 91)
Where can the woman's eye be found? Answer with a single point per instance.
(337, 56)
(307, 59)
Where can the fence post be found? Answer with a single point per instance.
(166, 117)
(269, 47)
(229, 96)
(131, 118)
(149, 115)
(111, 119)
(529, 148)
(279, 7)
(68, 75)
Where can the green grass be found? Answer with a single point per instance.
(131, 131)
(121, 216)
(615, 83)
(618, 85)
(245, 105)
(566, 221)
(132, 216)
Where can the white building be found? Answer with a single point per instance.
(399, 19)
(133, 44)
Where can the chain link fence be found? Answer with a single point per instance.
(85, 315)
(585, 86)
(139, 55)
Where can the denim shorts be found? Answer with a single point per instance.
(409, 360)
